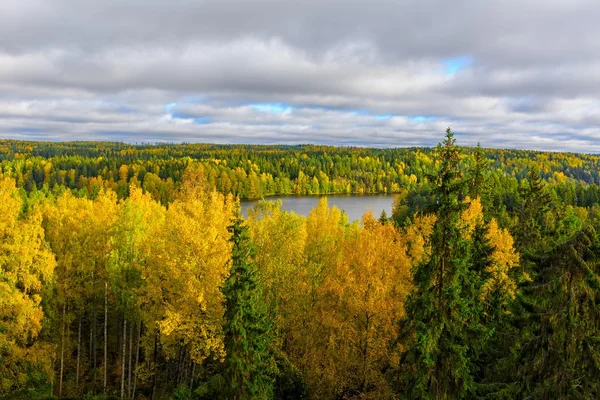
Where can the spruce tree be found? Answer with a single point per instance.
(441, 326)
(489, 347)
(248, 330)
(557, 354)
(477, 184)
(535, 201)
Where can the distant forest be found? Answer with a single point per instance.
(257, 171)
(128, 272)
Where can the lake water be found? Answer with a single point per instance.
(354, 205)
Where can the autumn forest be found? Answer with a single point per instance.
(128, 272)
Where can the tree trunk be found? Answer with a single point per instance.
(105, 334)
(62, 350)
(78, 354)
(91, 343)
(192, 377)
(130, 356)
(155, 365)
(365, 355)
(137, 360)
(123, 358)
(95, 345)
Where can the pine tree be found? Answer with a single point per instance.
(442, 312)
(248, 330)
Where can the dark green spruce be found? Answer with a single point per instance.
(248, 331)
(441, 330)
(558, 347)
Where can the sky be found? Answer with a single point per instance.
(505, 73)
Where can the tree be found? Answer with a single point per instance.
(477, 184)
(279, 238)
(26, 267)
(558, 349)
(531, 231)
(185, 265)
(137, 215)
(441, 325)
(362, 301)
(248, 330)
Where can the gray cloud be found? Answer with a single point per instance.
(505, 73)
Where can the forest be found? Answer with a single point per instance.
(128, 272)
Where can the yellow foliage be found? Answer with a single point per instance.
(417, 237)
(187, 261)
(504, 258)
(280, 240)
(471, 216)
(26, 265)
(362, 302)
(338, 327)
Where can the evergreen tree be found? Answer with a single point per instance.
(383, 217)
(535, 201)
(442, 313)
(493, 316)
(558, 347)
(477, 184)
(248, 330)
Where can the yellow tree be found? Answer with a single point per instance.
(280, 239)
(79, 231)
(417, 235)
(503, 257)
(67, 229)
(26, 265)
(326, 232)
(362, 302)
(137, 215)
(186, 262)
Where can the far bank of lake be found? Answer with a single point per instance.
(355, 205)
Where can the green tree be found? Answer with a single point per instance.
(441, 326)
(535, 202)
(477, 183)
(558, 347)
(248, 329)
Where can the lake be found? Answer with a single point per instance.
(354, 205)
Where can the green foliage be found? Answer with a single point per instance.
(558, 350)
(248, 331)
(535, 203)
(442, 325)
(182, 392)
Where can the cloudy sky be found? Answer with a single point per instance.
(509, 73)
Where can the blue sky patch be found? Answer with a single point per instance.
(421, 118)
(456, 64)
(202, 120)
(272, 108)
(182, 115)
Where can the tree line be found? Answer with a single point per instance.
(481, 284)
(254, 172)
